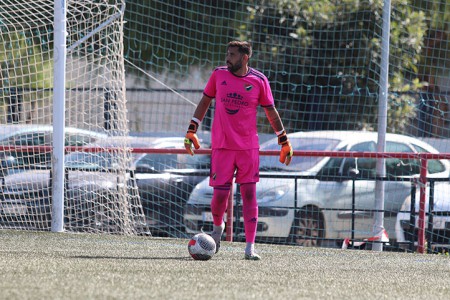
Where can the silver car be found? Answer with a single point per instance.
(37, 135)
(437, 229)
(162, 181)
(323, 189)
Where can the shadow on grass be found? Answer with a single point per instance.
(132, 258)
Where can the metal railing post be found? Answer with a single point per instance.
(421, 224)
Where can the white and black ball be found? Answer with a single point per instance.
(202, 246)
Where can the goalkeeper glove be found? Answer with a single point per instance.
(286, 149)
(191, 138)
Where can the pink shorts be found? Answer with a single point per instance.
(224, 163)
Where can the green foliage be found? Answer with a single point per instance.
(25, 50)
(171, 36)
(321, 56)
(22, 63)
(333, 49)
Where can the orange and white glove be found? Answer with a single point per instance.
(286, 149)
(191, 138)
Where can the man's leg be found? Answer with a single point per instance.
(218, 207)
(250, 212)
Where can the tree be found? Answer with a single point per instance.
(25, 54)
(174, 35)
(323, 57)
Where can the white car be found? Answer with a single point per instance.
(437, 229)
(37, 135)
(323, 189)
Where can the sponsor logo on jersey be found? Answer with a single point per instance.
(234, 96)
(231, 111)
(233, 102)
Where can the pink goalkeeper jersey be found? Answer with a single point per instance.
(237, 100)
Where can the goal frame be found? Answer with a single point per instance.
(59, 98)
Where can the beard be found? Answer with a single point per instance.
(234, 68)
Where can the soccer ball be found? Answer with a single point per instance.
(202, 246)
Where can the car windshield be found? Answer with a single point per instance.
(193, 162)
(92, 161)
(8, 131)
(298, 163)
(158, 162)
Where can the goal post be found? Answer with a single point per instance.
(65, 59)
(59, 99)
(95, 95)
(60, 58)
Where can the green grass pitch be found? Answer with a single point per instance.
(45, 265)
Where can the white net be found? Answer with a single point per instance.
(323, 61)
(100, 189)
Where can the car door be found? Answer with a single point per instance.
(364, 199)
(337, 188)
(31, 158)
(157, 192)
(400, 171)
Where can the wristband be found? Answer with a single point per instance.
(279, 132)
(196, 120)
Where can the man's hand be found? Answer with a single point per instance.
(191, 138)
(286, 149)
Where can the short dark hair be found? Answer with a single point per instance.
(244, 47)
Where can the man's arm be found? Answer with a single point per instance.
(275, 121)
(191, 135)
(202, 107)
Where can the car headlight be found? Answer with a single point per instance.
(272, 194)
(201, 195)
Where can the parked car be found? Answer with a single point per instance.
(165, 182)
(437, 231)
(27, 196)
(37, 135)
(323, 211)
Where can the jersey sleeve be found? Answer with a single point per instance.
(210, 89)
(266, 97)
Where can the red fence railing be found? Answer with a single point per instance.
(423, 157)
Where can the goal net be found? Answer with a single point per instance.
(323, 60)
(100, 193)
(321, 57)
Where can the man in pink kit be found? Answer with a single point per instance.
(238, 90)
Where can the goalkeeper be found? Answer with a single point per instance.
(238, 90)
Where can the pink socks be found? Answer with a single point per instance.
(219, 204)
(249, 210)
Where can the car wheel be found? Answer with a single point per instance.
(308, 228)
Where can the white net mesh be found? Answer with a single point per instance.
(322, 59)
(100, 190)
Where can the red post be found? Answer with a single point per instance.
(423, 190)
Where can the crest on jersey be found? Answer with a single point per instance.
(248, 87)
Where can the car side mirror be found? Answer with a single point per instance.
(145, 169)
(353, 173)
(8, 161)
